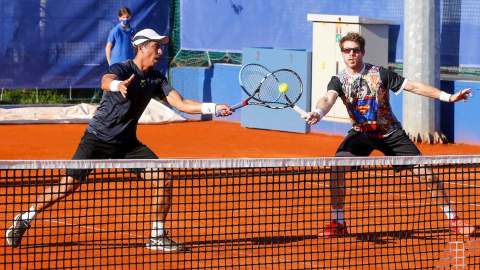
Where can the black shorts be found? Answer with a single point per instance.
(91, 147)
(397, 144)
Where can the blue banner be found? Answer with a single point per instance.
(230, 25)
(61, 43)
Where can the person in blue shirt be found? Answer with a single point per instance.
(112, 133)
(119, 46)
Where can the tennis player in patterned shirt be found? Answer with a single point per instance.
(364, 89)
(112, 133)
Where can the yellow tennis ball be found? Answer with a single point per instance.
(283, 88)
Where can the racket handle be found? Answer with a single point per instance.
(300, 111)
(233, 107)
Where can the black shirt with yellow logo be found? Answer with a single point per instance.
(117, 117)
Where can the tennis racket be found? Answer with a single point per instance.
(263, 88)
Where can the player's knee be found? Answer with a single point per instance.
(164, 183)
(67, 184)
(434, 182)
(167, 183)
(67, 188)
(432, 179)
(339, 169)
(337, 183)
(152, 174)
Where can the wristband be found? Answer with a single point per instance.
(114, 85)
(320, 113)
(445, 97)
(208, 108)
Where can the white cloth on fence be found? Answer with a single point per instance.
(156, 112)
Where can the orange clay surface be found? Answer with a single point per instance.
(210, 139)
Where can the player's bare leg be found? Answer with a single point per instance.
(160, 207)
(337, 227)
(440, 194)
(51, 195)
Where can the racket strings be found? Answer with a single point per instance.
(269, 89)
(250, 77)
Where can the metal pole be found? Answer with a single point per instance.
(421, 115)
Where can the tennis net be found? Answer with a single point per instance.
(243, 214)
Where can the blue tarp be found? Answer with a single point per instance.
(230, 25)
(61, 43)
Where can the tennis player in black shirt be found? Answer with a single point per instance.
(112, 133)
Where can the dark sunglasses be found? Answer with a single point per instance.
(356, 50)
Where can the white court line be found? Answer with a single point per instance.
(378, 192)
(91, 228)
(279, 210)
(446, 182)
(364, 207)
(138, 236)
(349, 188)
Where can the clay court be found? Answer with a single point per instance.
(272, 224)
(212, 139)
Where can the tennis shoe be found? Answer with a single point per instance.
(164, 243)
(15, 233)
(461, 226)
(334, 229)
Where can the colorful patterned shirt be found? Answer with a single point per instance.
(366, 96)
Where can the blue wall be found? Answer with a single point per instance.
(218, 84)
(228, 26)
(274, 59)
(61, 43)
(225, 88)
(460, 121)
(466, 116)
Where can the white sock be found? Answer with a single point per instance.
(157, 229)
(449, 212)
(29, 215)
(339, 215)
